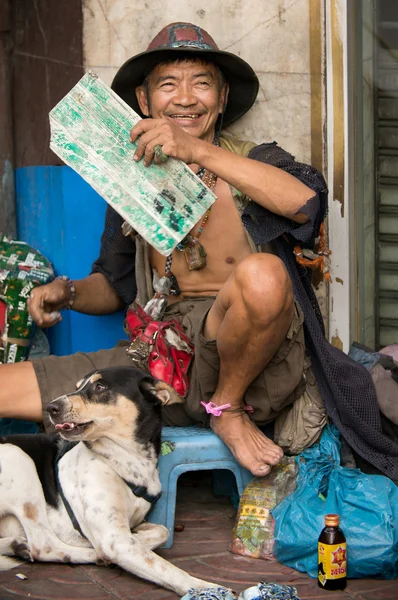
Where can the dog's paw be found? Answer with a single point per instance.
(21, 549)
(104, 561)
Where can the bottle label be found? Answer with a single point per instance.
(332, 561)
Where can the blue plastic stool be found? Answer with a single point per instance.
(191, 449)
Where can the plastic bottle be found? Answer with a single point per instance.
(332, 555)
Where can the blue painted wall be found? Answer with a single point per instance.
(62, 216)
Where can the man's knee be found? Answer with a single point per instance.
(265, 284)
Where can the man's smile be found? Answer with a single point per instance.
(186, 118)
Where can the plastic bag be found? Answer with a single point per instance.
(253, 534)
(367, 505)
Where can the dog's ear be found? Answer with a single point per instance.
(164, 392)
(85, 378)
(167, 394)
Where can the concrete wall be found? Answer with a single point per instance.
(272, 35)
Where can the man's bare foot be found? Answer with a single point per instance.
(251, 448)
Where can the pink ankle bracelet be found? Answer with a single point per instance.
(216, 411)
(213, 409)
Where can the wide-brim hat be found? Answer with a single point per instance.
(184, 40)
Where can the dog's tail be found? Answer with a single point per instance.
(7, 563)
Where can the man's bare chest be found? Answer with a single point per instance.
(224, 243)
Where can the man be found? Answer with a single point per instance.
(238, 305)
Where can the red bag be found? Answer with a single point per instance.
(160, 347)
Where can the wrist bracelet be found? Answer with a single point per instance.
(72, 290)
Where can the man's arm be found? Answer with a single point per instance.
(265, 226)
(94, 296)
(268, 186)
(110, 286)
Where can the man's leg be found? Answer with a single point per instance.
(249, 319)
(19, 392)
(25, 388)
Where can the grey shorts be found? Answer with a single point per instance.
(277, 387)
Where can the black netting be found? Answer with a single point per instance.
(346, 386)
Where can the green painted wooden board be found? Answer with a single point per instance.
(90, 132)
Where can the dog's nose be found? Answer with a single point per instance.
(55, 407)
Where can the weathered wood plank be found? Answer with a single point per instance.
(90, 130)
(7, 194)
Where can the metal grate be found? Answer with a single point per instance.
(387, 165)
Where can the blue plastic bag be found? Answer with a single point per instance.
(367, 505)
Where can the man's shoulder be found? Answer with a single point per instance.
(230, 141)
(267, 152)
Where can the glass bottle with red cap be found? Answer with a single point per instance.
(332, 555)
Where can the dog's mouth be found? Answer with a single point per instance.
(75, 428)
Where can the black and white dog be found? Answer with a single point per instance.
(82, 496)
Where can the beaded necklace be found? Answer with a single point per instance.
(195, 255)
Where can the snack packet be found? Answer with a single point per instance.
(253, 534)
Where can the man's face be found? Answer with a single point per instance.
(189, 92)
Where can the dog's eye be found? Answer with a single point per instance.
(99, 387)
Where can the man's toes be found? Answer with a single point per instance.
(270, 456)
(261, 470)
(276, 452)
(274, 459)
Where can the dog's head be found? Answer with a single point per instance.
(116, 402)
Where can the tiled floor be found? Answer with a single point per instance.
(201, 549)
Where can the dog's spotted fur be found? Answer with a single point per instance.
(114, 418)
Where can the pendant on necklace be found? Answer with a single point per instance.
(195, 255)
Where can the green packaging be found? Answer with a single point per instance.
(22, 268)
(253, 534)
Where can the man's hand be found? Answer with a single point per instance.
(174, 141)
(46, 301)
